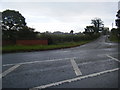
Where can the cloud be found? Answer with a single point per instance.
(51, 15)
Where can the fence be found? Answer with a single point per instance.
(25, 42)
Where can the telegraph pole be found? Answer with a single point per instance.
(112, 25)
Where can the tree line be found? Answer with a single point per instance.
(15, 27)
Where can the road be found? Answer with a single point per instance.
(93, 65)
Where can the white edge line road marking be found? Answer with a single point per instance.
(38, 61)
(74, 79)
(112, 58)
(9, 70)
(75, 67)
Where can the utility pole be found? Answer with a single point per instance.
(112, 25)
(119, 5)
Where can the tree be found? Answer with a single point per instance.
(12, 19)
(89, 30)
(118, 19)
(118, 14)
(14, 26)
(97, 22)
(71, 32)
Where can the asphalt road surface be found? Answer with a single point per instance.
(93, 65)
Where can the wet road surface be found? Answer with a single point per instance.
(93, 65)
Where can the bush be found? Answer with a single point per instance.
(115, 35)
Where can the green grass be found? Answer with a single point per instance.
(23, 48)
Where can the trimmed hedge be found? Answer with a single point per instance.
(55, 39)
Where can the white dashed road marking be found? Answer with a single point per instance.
(113, 58)
(75, 67)
(9, 70)
(74, 79)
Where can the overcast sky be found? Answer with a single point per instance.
(63, 16)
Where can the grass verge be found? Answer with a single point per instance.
(114, 38)
(21, 48)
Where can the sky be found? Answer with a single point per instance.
(64, 15)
